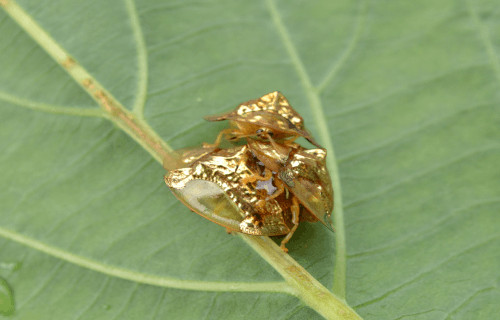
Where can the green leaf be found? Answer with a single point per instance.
(406, 92)
(6, 298)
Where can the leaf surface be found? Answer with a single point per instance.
(406, 92)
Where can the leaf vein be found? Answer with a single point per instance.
(142, 60)
(401, 90)
(485, 37)
(467, 301)
(127, 302)
(418, 234)
(136, 227)
(339, 285)
(195, 33)
(39, 289)
(395, 138)
(68, 165)
(210, 307)
(109, 190)
(144, 278)
(49, 108)
(426, 272)
(94, 300)
(340, 62)
(207, 72)
(420, 174)
(158, 306)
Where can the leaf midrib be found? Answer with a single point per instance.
(145, 278)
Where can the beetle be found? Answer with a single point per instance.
(270, 126)
(234, 188)
(304, 173)
(270, 118)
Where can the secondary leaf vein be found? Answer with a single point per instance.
(426, 272)
(485, 37)
(142, 60)
(339, 63)
(49, 108)
(339, 285)
(140, 277)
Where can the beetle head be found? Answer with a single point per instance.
(264, 133)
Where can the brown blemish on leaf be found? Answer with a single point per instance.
(4, 3)
(68, 62)
(297, 273)
(87, 83)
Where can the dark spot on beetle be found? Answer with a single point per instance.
(264, 133)
(257, 221)
(291, 125)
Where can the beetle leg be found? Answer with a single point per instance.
(295, 219)
(256, 177)
(281, 189)
(219, 137)
(267, 175)
(268, 136)
(291, 141)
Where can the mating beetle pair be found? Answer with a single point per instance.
(265, 187)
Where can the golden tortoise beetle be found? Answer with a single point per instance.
(265, 187)
(233, 188)
(270, 118)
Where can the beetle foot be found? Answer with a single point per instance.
(282, 246)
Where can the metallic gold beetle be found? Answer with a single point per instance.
(270, 117)
(265, 187)
(230, 187)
